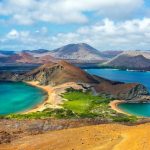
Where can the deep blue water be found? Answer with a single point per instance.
(123, 76)
(127, 76)
(17, 97)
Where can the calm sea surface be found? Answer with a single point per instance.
(18, 97)
(139, 109)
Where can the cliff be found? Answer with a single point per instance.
(124, 91)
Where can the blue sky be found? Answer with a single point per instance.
(49, 24)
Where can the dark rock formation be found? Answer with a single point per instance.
(5, 137)
(121, 91)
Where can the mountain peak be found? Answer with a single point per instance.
(79, 51)
(131, 60)
(58, 73)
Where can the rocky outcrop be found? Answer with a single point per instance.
(63, 72)
(120, 90)
(123, 91)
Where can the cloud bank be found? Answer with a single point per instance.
(105, 24)
(27, 12)
(104, 35)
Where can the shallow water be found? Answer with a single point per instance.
(136, 108)
(18, 97)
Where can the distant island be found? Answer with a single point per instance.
(82, 55)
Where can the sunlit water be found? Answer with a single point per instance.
(139, 109)
(18, 97)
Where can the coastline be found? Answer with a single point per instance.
(114, 105)
(53, 99)
(42, 105)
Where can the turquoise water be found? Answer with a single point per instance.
(139, 109)
(18, 97)
(128, 76)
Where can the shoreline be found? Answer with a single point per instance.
(53, 99)
(114, 105)
(43, 105)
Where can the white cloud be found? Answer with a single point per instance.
(13, 34)
(65, 11)
(107, 34)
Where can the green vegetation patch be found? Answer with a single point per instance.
(86, 105)
(78, 101)
(48, 113)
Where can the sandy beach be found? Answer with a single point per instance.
(99, 137)
(114, 105)
(53, 100)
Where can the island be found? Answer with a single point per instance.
(74, 99)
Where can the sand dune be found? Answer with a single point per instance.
(100, 137)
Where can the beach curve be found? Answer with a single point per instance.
(114, 105)
(54, 99)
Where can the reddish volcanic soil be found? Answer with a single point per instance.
(100, 137)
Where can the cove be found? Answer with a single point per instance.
(138, 109)
(18, 97)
